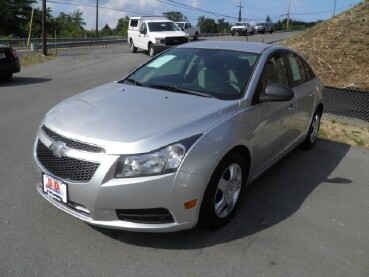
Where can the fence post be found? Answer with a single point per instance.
(34, 47)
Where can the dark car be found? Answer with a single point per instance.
(9, 62)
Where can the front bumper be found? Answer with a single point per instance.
(97, 201)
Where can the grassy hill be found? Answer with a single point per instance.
(338, 49)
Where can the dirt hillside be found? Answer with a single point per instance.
(338, 49)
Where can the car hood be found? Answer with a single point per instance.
(168, 34)
(130, 119)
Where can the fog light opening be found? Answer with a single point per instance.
(190, 204)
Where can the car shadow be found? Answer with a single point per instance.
(274, 197)
(22, 81)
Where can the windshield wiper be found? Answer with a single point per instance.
(136, 83)
(176, 89)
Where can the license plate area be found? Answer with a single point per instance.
(55, 188)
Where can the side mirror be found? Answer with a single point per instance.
(276, 93)
(143, 32)
(182, 29)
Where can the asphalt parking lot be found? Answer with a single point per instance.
(307, 216)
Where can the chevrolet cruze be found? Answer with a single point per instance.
(175, 142)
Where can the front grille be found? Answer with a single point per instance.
(65, 167)
(175, 41)
(153, 216)
(71, 143)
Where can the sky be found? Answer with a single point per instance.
(111, 10)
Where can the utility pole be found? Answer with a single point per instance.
(97, 18)
(334, 7)
(44, 51)
(30, 26)
(239, 13)
(288, 14)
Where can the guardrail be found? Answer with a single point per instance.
(73, 44)
(23, 41)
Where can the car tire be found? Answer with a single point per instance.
(132, 46)
(312, 134)
(232, 34)
(222, 194)
(151, 50)
(196, 36)
(7, 76)
(271, 31)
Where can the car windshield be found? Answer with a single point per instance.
(162, 26)
(260, 24)
(217, 73)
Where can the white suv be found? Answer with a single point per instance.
(154, 34)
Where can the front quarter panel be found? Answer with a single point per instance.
(236, 130)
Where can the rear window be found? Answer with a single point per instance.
(134, 23)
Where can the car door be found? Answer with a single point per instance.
(304, 88)
(142, 40)
(277, 129)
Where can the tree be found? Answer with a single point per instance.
(223, 26)
(175, 16)
(268, 19)
(122, 27)
(106, 31)
(14, 15)
(70, 25)
(207, 25)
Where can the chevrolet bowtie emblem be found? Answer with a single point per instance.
(59, 148)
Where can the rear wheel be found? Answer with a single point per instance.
(196, 36)
(271, 31)
(221, 197)
(312, 134)
(132, 46)
(7, 76)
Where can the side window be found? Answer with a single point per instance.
(134, 23)
(143, 28)
(275, 71)
(186, 26)
(297, 69)
(309, 73)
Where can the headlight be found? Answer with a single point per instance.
(159, 41)
(162, 161)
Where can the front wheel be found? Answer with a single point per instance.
(312, 134)
(221, 197)
(151, 50)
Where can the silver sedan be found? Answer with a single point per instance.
(173, 144)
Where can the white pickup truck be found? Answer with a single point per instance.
(154, 34)
(193, 31)
(242, 28)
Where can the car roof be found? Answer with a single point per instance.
(253, 47)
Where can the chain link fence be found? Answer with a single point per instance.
(346, 106)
